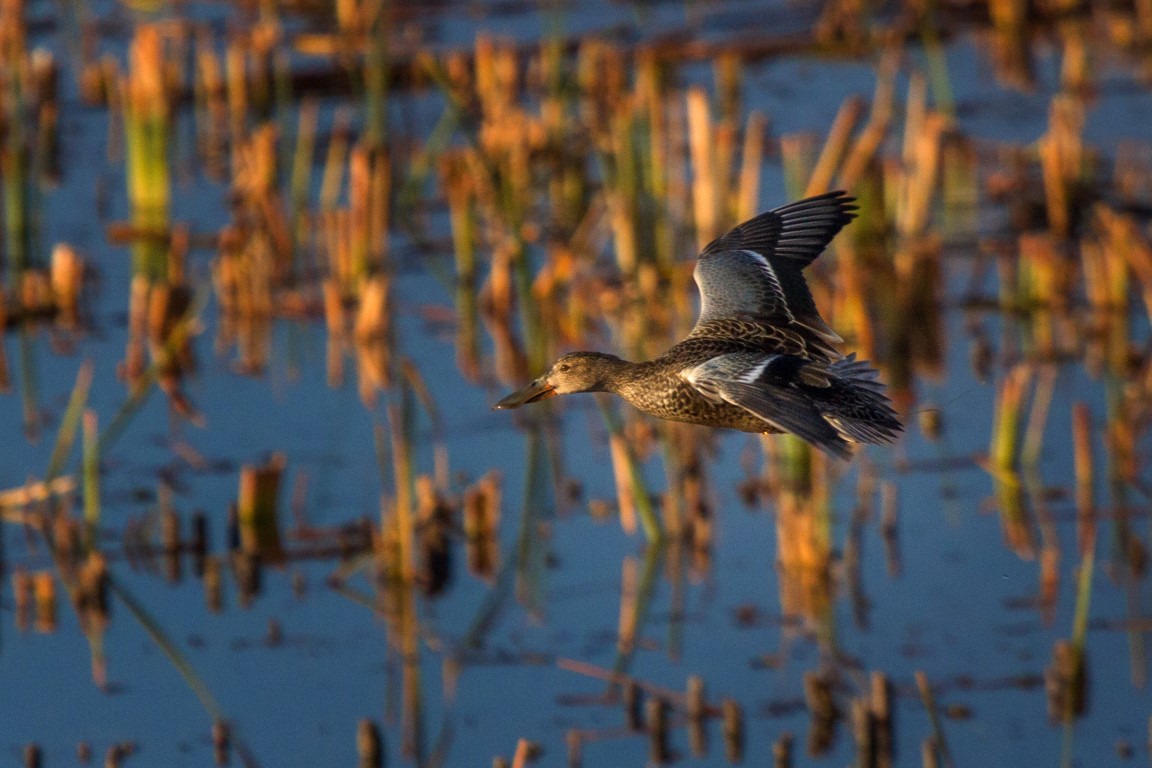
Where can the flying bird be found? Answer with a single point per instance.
(760, 358)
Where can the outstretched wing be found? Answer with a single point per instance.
(753, 273)
(761, 385)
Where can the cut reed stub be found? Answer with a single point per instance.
(575, 743)
(697, 712)
(248, 572)
(44, 589)
(213, 585)
(369, 744)
(633, 700)
(818, 695)
(733, 716)
(656, 717)
(782, 751)
(1066, 682)
(221, 742)
(67, 278)
(258, 509)
(880, 706)
(92, 592)
(434, 521)
(482, 524)
(22, 593)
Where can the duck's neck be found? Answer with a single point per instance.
(611, 373)
(622, 377)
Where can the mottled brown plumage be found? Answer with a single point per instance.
(760, 358)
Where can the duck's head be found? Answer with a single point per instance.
(575, 372)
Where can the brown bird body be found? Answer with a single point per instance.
(760, 358)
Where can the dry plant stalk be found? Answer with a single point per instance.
(1009, 408)
(257, 508)
(1062, 160)
(67, 276)
(804, 557)
(706, 193)
(146, 114)
(629, 594)
(835, 146)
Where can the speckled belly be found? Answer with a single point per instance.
(681, 402)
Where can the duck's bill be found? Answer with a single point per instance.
(536, 391)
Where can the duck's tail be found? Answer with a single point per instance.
(855, 404)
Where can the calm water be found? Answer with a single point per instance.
(962, 607)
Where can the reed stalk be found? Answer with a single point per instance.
(14, 168)
(706, 196)
(44, 590)
(751, 158)
(634, 605)
(1038, 418)
(29, 388)
(16, 118)
(399, 422)
(66, 435)
(624, 461)
(798, 156)
(334, 161)
(376, 74)
(1003, 452)
(5, 373)
(867, 145)
(211, 104)
(804, 551)
(258, 508)
(835, 146)
(1062, 161)
(923, 139)
(1082, 465)
(146, 136)
(822, 712)
(656, 723)
(301, 179)
(929, 700)
(782, 751)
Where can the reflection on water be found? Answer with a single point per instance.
(251, 474)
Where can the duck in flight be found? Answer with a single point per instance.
(760, 358)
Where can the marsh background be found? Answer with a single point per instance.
(266, 266)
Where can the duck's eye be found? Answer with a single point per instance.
(565, 367)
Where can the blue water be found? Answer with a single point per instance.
(955, 611)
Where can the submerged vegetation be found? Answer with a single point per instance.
(300, 169)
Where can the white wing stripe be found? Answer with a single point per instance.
(756, 371)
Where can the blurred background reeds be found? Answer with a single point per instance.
(382, 213)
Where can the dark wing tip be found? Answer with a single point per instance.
(798, 231)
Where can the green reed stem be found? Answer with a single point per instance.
(653, 556)
(1083, 596)
(933, 717)
(538, 505)
(14, 162)
(168, 647)
(28, 386)
(795, 462)
(146, 140)
(376, 72)
(91, 470)
(66, 435)
(143, 386)
(936, 61)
